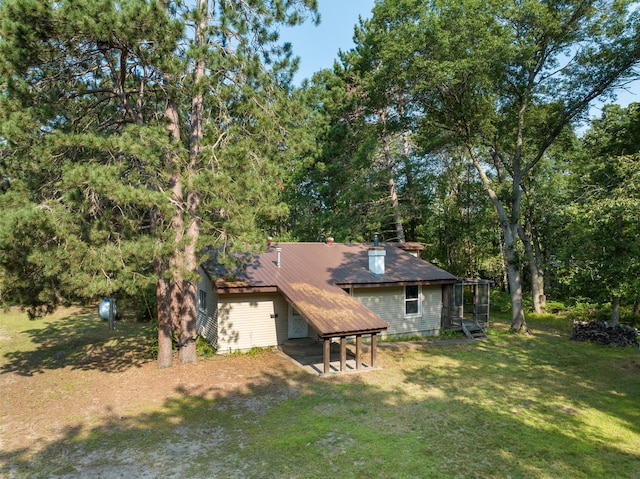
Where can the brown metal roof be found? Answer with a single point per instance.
(331, 311)
(311, 277)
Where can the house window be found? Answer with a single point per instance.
(412, 301)
(202, 300)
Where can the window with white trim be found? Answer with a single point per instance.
(202, 300)
(412, 303)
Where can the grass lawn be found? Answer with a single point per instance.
(506, 407)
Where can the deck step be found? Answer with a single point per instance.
(473, 330)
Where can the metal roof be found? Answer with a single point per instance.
(311, 276)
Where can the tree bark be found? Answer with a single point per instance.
(165, 327)
(539, 260)
(510, 232)
(518, 323)
(177, 266)
(503, 264)
(187, 352)
(537, 275)
(615, 311)
(172, 305)
(393, 194)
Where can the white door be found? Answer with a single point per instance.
(298, 327)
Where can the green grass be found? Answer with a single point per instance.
(70, 336)
(509, 406)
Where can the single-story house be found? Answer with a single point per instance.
(325, 291)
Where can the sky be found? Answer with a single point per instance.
(317, 46)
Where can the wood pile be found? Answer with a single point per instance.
(601, 333)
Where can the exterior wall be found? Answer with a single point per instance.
(388, 303)
(232, 322)
(207, 314)
(248, 321)
(432, 309)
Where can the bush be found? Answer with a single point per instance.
(556, 307)
(203, 347)
(139, 307)
(586, 311)
(500, 301)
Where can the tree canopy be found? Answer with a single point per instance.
(136, 135)
(503, 81)
(603, 258)
(133, 134)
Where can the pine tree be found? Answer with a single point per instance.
(133, 135)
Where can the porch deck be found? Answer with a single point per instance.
(309, 355)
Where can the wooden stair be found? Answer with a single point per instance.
(472, 329)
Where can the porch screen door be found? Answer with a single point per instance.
(457, 300)
(482, 303)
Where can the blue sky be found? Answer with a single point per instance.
(317, 46)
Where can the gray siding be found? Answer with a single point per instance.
(388, 303)
(206, 315)
(432, 309)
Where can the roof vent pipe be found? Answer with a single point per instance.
(278, 252)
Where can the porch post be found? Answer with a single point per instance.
(343, 353)
(327, 355)
(475, 302)
(358, 351)
(374, 348)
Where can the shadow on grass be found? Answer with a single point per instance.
(384, 424)
(579, 400)
(80, 340)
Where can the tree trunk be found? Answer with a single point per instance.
(165, 327)
(518, 323)
(173, 305)
(187, 338)
(410, 225)
(187, 352)
(393, 194)
(503, 264)
(615, 311)
(540, 286)
(537, 276)
(510, 231)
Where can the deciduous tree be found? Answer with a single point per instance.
(603, 258)
(481, 72)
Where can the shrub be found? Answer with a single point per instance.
(204, 348)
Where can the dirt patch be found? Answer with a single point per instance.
(51, 407)
(38, 409)
(68, 385)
